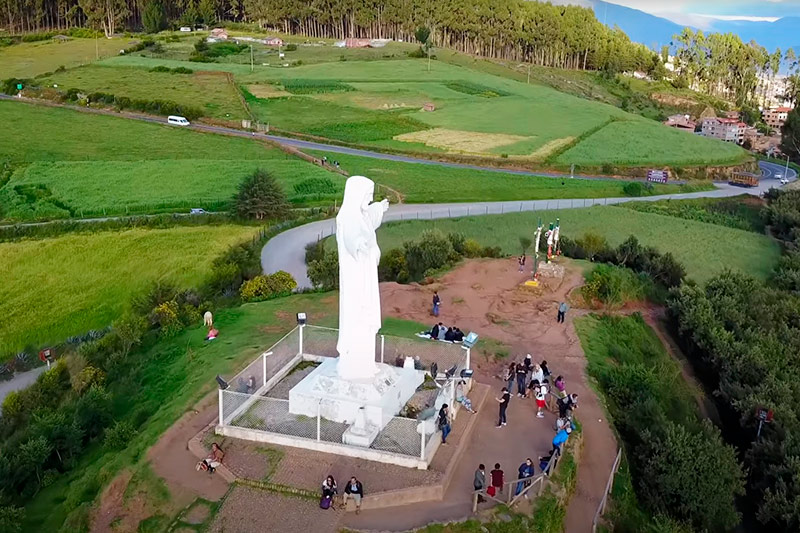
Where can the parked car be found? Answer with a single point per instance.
(175, 120)
(186, 28)
(197, 211)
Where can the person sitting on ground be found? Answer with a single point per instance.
(497, 478)
(567, 405)
(449, 336)
(213, 333)
(561, 386)
(329, 489)
(214, 459)
(355, 489)
(458, 335)
(461, 396)
(435, 331)
(442, 332)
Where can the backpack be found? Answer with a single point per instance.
(325, 502)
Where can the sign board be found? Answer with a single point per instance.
(46, 355)
(19, 86)
(658, 176)
(763, 414)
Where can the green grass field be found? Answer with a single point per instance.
(704, 249)
(421, 183)
(501, 117)
(209, 91)
(55, 288)
(111, 166)
(26, 60)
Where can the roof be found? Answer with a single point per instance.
(783, 109)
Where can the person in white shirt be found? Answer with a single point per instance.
(541, 394)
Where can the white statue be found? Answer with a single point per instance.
(359, 297)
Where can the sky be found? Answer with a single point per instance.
(701, 13)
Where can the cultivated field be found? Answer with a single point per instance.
(68, 285)
(209, 91)
(704, 249)
(421, 183)
(379, 102)
(26, 60)
(112, 166)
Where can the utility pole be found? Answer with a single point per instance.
(429, 54)
(786, 170)
(251, 58)
(529, 73)
(96, 47)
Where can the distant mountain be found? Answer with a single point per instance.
(656, 31)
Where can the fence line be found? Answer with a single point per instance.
(609, 485)
(509, 487)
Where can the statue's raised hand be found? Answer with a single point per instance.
(385, 204)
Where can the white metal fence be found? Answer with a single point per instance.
(244, 405)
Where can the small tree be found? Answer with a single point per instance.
(790, 140)
(324, 272)
(207, 11)
(261, 197)
(525, 243)
(154, 17)
(32, 454)
(11, 519)
(422, 34)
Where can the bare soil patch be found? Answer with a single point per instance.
(460, 141)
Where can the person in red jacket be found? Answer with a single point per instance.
(497, 478)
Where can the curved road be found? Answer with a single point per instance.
(286, 251)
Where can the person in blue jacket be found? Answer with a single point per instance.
(559, 440)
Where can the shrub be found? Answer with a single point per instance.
(118, 436)
(431, 252)
(614, 286)
(160, 68)
(633, 188)
(260, 197)
(167, 318)
(315, 251)
(457, 240)
(472, 248)
(393, 266)
(592, 244)
(301, 86)
(315, 186)
(492, 251)
(291, 47)
(88, 377)
(324, 273)
(267, 287)
(93, 411)
(11, 519)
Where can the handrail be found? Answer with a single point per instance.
(609, 484)
(511, 497)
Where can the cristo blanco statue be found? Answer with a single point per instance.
(359, 296)
(353, 389)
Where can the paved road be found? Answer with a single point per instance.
(286, 251)
(21, 380)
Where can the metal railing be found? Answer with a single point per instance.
(513, 491)
(609, 485)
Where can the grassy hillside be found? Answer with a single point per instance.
(704, 249)
(109, 166)
(26, 60)
(55, 288)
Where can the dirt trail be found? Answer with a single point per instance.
(486, 296)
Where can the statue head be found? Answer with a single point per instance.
(358, 193)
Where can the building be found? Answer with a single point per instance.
(775, 117)
(772, 90)
(725, 129)
(219, 34)
(273, 41)
(681, 122)
(357, 43)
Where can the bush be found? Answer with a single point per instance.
(472, 248)
(633, 188)
(166, 317)
(291, 47)
(267, 287)
(260, 197)
(393, 266)
(315, 251)
(11, 519)
(324, 273)
(88, 377)
(614, 286)
(118, 436)
(93, 411)
(431, 252)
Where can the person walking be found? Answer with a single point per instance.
(436, 303)
(355, 490)
(498, 478)
(503, 401)
(540, 395)
(525, 471)
(444, 422)
(563, 307)
(479, 483)
(521, 261)
(522, 378)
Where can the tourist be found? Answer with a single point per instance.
(521, 261)
(509, 375)
(522, 376)
(561, 386)
(213, 333)
(461, 396)
(525, 471)
(562, 423)
(449, 335)
(567, 405)
(436, 303)
(545, 370)
(528, 362)
(560, 439)
(435, 330)
(540, 393)
(442, 332)
(214, 459)
(329, 489)
(355, 489)
(497, 478)
(503, 401)
(443, 422)
(562, 311)
(537, 373)
(544, 463)
(479, 483)
(458, 335)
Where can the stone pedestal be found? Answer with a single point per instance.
(367, 405)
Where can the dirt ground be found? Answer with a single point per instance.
(487, 296)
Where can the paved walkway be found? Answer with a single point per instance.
(286, 251)
(21, 380)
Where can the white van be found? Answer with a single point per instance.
(177, 121)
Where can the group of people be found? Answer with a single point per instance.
(446, 333)
(353, 489)
(497, 478)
